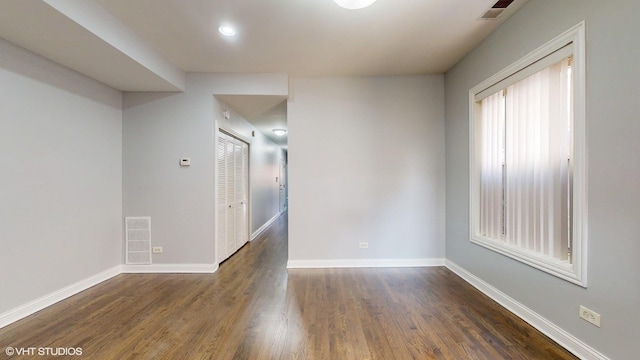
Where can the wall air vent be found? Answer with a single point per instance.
(496, 10)
(138, 235)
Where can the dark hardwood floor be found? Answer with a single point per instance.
(253, 308)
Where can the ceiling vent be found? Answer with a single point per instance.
(496, 10)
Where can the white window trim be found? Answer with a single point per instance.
(577, 271)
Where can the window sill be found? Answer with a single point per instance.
(558, 268)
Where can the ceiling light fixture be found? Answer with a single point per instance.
(227, 30)
(354, 4)
(279, 132)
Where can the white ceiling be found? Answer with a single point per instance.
(149, 45)
(310, 37)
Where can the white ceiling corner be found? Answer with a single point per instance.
(85, 37)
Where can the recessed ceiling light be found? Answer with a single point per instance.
(354, 4)
(227, 30)
(279, 132)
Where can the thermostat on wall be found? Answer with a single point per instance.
(185, 162)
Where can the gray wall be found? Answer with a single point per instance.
(60, 155)
(366, 163)
(613, 130)
(159, 129)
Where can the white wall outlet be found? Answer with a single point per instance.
(590, 316)
(364, 245)
(185, 162)
(157, 249)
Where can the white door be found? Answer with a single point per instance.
(283, 185)
(241, 163)
(222, 208)
(232, 184)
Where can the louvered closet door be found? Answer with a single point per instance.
(231, 197)
(221, 200)
(232, 200)
(242, 184)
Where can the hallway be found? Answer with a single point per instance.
(253, 308)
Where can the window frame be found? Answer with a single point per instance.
(576, 272)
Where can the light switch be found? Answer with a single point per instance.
(185, 162)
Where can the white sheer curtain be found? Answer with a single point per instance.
(526, 203)
(491, 173)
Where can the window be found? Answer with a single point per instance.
(527, 168)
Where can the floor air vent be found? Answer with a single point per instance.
(138, 234)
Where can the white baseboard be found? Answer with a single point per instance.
(553, 331)
(363, 263)
(265, 226)
(170, 269)
(34, 306)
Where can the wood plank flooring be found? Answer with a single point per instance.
(253, 308)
